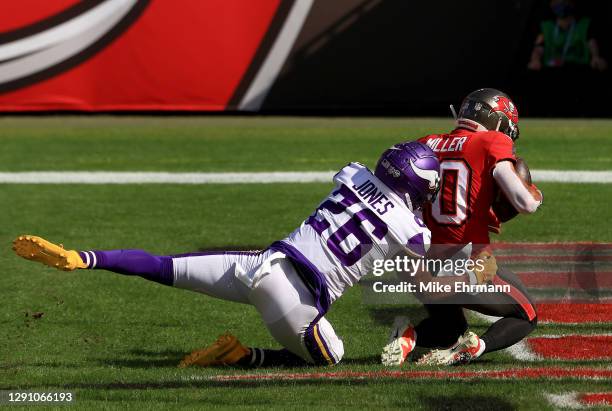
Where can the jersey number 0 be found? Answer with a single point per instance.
(451, 205)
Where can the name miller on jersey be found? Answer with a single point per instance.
(454, 144)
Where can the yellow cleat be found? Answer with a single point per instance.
(38, 249)
(227, 350)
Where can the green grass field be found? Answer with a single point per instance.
(116, 341)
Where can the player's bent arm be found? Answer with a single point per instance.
(514, 189)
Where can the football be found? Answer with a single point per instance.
(501, 206)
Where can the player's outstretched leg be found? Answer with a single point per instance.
(286, 305)
(518, 319)
(128, 262)
(516, 309)
(38, 249)
(228, 350)
(287, 308)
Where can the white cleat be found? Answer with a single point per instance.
(467, 348)
(402, 340)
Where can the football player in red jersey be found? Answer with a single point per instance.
(475, 158)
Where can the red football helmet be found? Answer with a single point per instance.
(489, 109)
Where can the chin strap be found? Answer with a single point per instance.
(452, 109)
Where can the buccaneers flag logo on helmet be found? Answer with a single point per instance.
(505, 106)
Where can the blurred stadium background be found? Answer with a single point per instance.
(381, 57)
(279, 85)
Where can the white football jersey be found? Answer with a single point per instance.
(362, 220)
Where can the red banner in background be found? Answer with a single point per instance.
(128, 54)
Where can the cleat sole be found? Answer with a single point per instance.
(392, 354)
(40, 250)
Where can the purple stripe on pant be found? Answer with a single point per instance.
(201, 253)
(314, 348)
(308, 272)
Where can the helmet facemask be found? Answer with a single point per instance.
(508, 127)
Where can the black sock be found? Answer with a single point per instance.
(506, 332)
(261, 357)
(442, 328)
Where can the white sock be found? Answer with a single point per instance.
(483, 346)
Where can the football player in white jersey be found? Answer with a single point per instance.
(293, 282)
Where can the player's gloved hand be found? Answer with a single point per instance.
(536, 193)
(486, 267)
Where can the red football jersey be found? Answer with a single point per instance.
(460, 213)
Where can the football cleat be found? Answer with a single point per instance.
(467, 348)
(38, 249)
(227, 350)
(402, 340)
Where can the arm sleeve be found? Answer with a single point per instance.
(500, 148)
(514, 189)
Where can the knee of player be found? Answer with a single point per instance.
(323, 345)
(328, 355)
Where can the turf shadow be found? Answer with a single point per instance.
(386, 314)
(204, 383)
(141, 363)
(151, 359)
(465, 402)
(368, 360)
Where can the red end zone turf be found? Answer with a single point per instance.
(598, 398)
(588, 280)
(577, 400)
(572, 347)
(573, 313)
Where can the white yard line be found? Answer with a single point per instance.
(522, 352)
(566, 176)
(145, 177)
(566, 400)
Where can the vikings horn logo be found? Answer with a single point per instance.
(505, 106)
(429, 175)
(43, 49)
